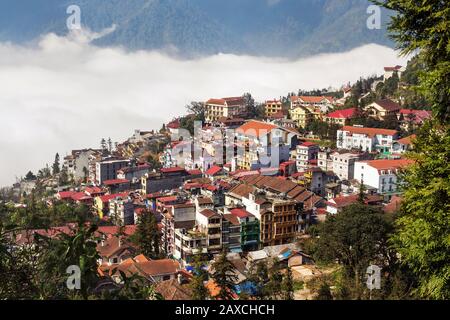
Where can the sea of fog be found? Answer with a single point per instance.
(62, 93)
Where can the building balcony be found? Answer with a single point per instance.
(214, 225)
(215, 247)
(215, 236)
(285, 224)
(284, 235)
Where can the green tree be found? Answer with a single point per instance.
(224, 276)
(56, 164)
(324, 292)
(110, 145)
(356, 238)
(274, 285)
(259, 275)
(287, 286)
(147, 235)
(197, 285)
(30, 176)
(422, 238)
(78, 248)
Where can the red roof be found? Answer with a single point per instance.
(407, 140)
(241, 213)
(396, 68)
(343, 114)
(389, 164)
(213, 170)
(175, 124)
(171, 170)
(308, 144)
(168, 199)
(94, 190)
(195, 172)
(80, 196)
(340, 202)
(256, 128)
(115, 181)
(416, 116)
(108, 197)
(369, 131)
(66, 194)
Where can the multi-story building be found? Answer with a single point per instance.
(274, 107)
(107, 168)
(344, 163)
(210, 223)
(366, 139)
(133, 173)
(301, 116)
(389, 72)
(324, 160)
(248, 229)
(306, 152)
(382, 109)
(382, 175)
(188, 243)
(281, 219)
(77, 163)
(261, 145)
(177, 216)
(166, 179)
(231, 233)
(341, 117)
(322, 102)
(121, 211)
(233, 107)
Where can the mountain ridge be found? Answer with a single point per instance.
(286, 28)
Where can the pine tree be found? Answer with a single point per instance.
(147, 235)
(259, 275)
(103, 145)
(287, 285)
(324, 292)
(197, 285)
(273, 287)
(110, 145)
(56, 165)
(224, 277)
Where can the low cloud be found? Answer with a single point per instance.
(65, 93)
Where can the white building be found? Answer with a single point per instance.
(389, 72)
(343, 164)
(366, 139)
(381, 174)
(306, 152)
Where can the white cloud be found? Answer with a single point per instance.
(65, 94)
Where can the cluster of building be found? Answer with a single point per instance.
(241, 184)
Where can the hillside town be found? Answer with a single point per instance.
(233, 179)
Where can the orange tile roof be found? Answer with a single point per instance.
(407, 140)
(256, 128)
(389, 164)
(313, 99)
(369, 131)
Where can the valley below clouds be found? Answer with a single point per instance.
(62, 93)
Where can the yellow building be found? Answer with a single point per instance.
(273, 107)
(301, 116)
(279, 222)
(232, 107)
